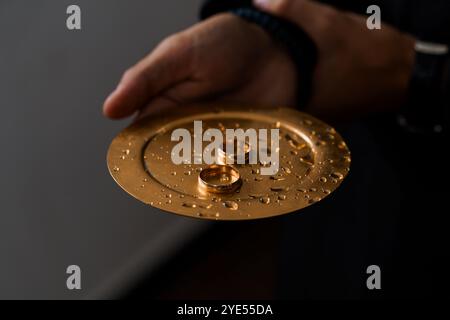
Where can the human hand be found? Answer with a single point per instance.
(223, 58)
(359, 70)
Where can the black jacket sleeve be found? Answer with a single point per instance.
(428, 20)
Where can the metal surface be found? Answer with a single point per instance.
(314, 160)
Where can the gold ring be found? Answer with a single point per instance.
(219, 179)
(232, 158)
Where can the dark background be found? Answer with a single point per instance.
(60, 207)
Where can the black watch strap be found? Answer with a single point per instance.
(299, 45)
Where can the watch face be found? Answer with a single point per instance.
(425, 110)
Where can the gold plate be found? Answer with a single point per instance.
(314, 160)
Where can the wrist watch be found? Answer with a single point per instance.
(427, 107)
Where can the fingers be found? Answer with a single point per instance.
(313, 17)
(169, 64)
(184, 93)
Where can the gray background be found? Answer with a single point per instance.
(59, 205)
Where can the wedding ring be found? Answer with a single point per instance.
(219, 179)
(232, 158)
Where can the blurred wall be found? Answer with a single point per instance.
(58, 204)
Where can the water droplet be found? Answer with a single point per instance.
(278, 124)
(116, 169)
(126, 151)
(307, 160)
(174, 173)
(295, 143)
(206, 206)
(337, 175)
(314, 200)
(232, 205)
(182, 196)
(217, 215)
(326, 191)
(189, 205)
(302, 190)
(255, 196)
(168, 195)
(169, 201)
(342, 145)
(287, 170)
(313, 189)
(294, 153)
(258, 179)
(279, 188)
(255, 171)
(282, 197)
(188, 173)
(143, 186)
(265, 200)
(123, 157)
(323, 179)
(278, 178)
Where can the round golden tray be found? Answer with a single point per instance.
(314, 160)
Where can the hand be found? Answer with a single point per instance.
(359, 70)
(224, 58)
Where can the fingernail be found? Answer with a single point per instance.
(264, 3)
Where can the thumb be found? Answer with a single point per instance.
(168, 65)
(313, 17)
